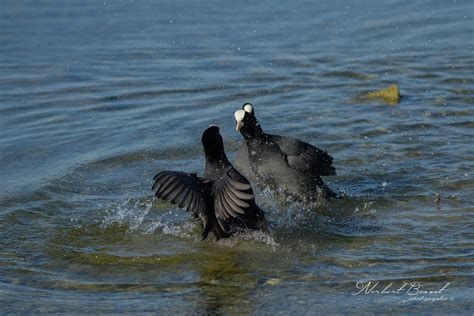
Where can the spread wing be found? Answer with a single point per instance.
(233, 196)
(305, 157)
(186, 190)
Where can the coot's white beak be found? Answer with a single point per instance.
(239, 117)
(239, 126)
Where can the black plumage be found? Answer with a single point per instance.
(222, 198)
(284, 163)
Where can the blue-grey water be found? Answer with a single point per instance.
(97, 96)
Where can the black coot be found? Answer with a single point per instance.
(284, 163)
(222, 199)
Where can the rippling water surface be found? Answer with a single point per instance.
(95, 97)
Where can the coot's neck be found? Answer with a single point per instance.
(253, 132)
(215, 160)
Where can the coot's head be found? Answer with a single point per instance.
(212, 141)
(247, 123)
(247, 107)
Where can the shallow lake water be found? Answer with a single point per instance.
(96, 97)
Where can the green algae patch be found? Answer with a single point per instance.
(105, 259)
(273, 281)
(391, 94)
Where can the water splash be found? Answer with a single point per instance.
(285, 218)
(183, 230)
(130, 213)
(133, 212)
(282, 210)
(264, 237)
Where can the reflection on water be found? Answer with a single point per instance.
(97, 97)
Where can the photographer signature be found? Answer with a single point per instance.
(414, 290)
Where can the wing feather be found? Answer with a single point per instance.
(304, 156)
(188, 200)
(192, 203)
(239, 185)
(166, 182)
(240, 194)
(181, 200)
(225, 212)
(186, 190)
(178, 195)
(239, 200)
(168, 190)
(227, 206)
(232, 193)
(231, 203)
(160, 179)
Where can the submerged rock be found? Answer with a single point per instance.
(391, 94)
